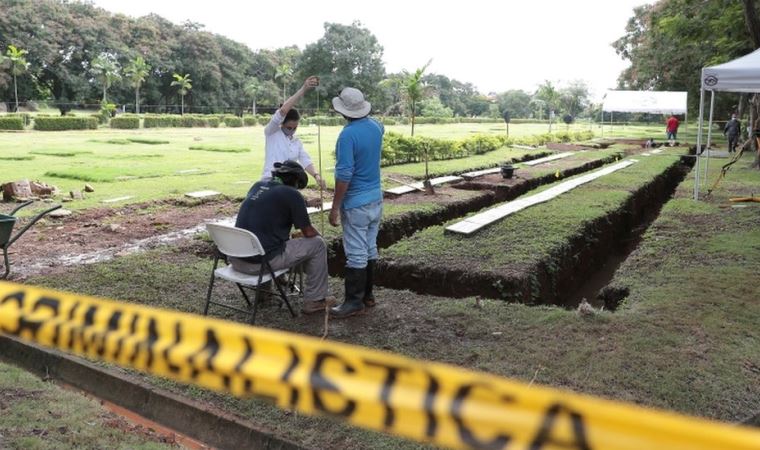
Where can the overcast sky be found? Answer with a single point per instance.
(494, 45)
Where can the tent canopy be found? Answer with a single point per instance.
(739, 75)
(656, 102)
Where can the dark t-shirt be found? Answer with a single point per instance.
(270, 210)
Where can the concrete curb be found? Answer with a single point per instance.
(205, 423)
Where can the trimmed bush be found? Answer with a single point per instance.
(126, 122)
(11, 123)
(175, 121)
(26, 116)
(42, 123)
(250, 121)
(232, 121)
(398, 149)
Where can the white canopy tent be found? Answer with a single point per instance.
(653, 102)
(739, 75)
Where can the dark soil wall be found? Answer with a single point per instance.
(559, 275)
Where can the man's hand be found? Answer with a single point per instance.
(310, 83)
(334, 217)
(320, 181)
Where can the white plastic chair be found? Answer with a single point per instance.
(240, 243)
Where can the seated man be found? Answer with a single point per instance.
(270, 210)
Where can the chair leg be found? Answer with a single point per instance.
(245, 296)
(257, 297)
(282, 293)
(210, 286)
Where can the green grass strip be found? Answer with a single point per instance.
(220, 149)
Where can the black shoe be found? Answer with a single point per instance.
(355, 282)
(369, 297)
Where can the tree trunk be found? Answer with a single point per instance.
(254, 106)
(752, 20)
(15, 91)
(104, 93)
(182, 110)
(754, 105)
(137, 100)
(412, 119)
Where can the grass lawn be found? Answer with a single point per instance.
(685, 338)
(35, 414)
(520, 241)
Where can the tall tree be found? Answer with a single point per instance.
(136, 71)
(574, 97)
(549, 95)
(283, 73)
(516, 101)
(346, 55)
(18, 66)
(184, 85)
(415, 90)
(105, 68)
(252, 89)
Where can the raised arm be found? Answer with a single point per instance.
(308, 85)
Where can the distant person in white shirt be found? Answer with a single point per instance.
(281, 143)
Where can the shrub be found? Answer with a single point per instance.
(25, 116)
(232, 121)
(161, 121)
(186, 121)
(42, 123)
(11, 123)
(250, 121)
(126, 122)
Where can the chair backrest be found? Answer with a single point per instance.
(235, 242)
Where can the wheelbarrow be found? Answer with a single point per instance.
(6, 229)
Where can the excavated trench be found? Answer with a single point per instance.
(579, 270)
(394, 229)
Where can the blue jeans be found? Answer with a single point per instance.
(360, 226)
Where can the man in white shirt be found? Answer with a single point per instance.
(281, 143)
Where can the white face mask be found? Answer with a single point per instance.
(288, 132)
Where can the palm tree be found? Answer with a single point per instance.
(283, 72)
(105, 68)
(185, 84)
(136, 71)
(252, 89)
(18, 66)
(415, 90)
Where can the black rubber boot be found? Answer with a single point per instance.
(369, 297)
(356, 280)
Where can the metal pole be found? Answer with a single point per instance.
(601, 120)
(319, 153)
(699, 142)
(709, 135)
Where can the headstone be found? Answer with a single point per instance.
(58, 213)
(76, 195)
(202, 194)
(17, 190)
(117, 199)
(89, 188)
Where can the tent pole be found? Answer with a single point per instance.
(601, 120)
(699, 142)
(709, 135)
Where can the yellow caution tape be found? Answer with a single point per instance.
(423, 401)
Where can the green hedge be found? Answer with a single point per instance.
(231, 121)
(175, 121)
(25, 116)
(398, 149)
(250, 121)
(126, 122)
(43, 123)
(11, 123)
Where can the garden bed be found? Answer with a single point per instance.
(541, 254)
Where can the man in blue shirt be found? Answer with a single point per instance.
(358, 198)
(270, 211)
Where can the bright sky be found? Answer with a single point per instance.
(494, 45)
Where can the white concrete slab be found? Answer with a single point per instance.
(535, 162)
(326, 206)
(202, 194)
(657, 151)
(478, 221)
(480, 173)
(117, 199)
(401, 190)
(185, 172)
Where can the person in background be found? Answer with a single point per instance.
(358, 199)
(732, 130)
(671, 129)
(281, 142)
(270, 210)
